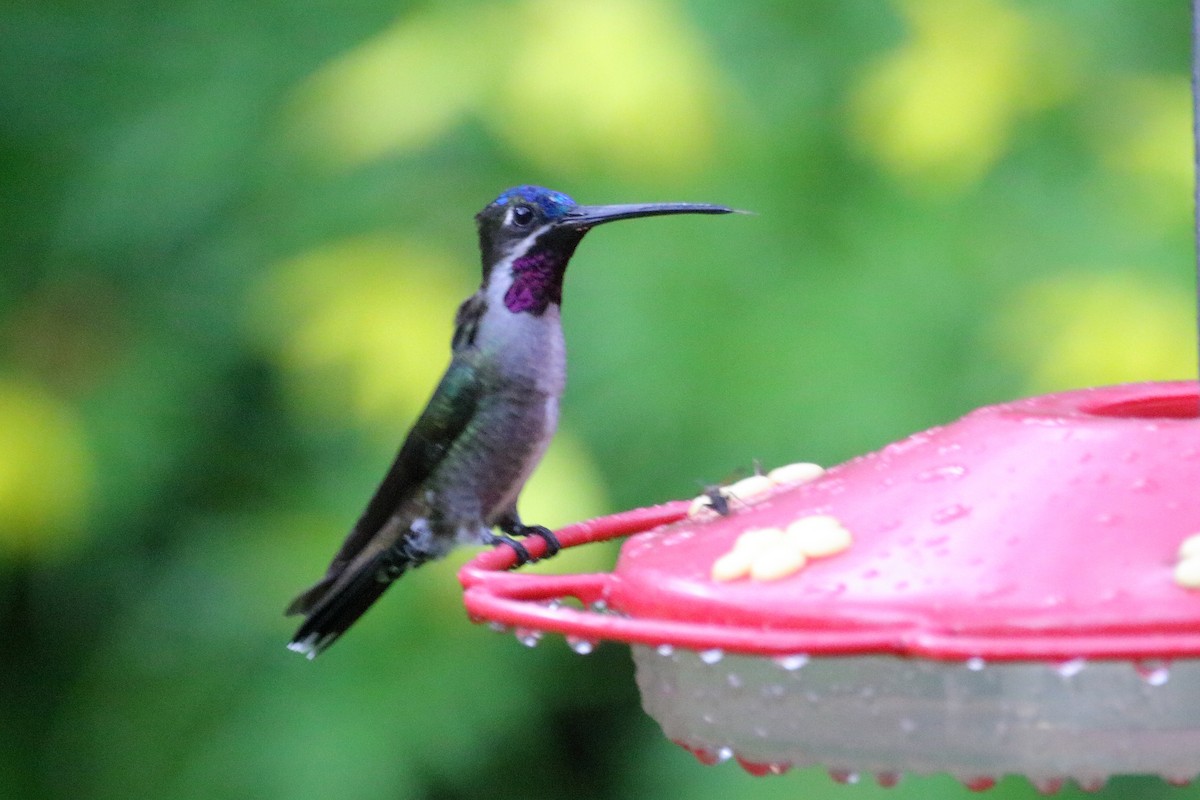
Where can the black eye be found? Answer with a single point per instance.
(522, 215)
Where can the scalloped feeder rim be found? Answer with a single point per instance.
(1041, 529)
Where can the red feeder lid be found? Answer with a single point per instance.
(1046, 528)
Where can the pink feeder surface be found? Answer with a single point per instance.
(1008, 603)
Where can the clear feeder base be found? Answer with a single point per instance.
(1080, 720)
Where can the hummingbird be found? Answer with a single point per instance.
(462, 467)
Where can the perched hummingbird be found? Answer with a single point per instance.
(465, 461)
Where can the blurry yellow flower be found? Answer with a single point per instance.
(620, 85)
(402, 89)
(45, 471)
(364, 323)
(1144, 131)
(1089, 330)
(943, 106)
(1150, 123)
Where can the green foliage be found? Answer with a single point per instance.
(200, 207)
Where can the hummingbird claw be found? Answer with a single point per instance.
(514, 527)
(523, 556)
(542, 532)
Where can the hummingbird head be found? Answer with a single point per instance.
(529, 233)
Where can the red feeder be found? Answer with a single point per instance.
(1017, 596)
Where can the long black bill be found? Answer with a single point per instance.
(591, 216)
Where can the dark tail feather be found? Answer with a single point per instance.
(330, 613)
(308, 599)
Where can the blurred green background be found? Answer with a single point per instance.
(233, 236)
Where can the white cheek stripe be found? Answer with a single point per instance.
(522, 247)
(501, 276)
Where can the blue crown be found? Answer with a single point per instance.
(553, 204)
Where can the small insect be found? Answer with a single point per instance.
(716, 496)
(718, 501)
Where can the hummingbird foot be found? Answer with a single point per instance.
(523, 556)
(511, 524)
(540, 531)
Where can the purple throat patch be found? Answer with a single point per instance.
(537, 282)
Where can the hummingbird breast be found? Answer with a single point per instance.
(522, 367)
(503, 449)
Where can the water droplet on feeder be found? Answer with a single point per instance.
(665, 650)
(724, 754)
(946, 472)
(793, 662)
(950, 513)
(498, 627)
(1143, 485)
(581, 645)
(705, 756)
(753, 767)
(976, 664)
(844, 776)
(1154, 672)
(711, 656)
(887, 779)
(528, 636)
(734, 680)
(1069, 669)
(979, 783)
(1048, 785)
(759, 769)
